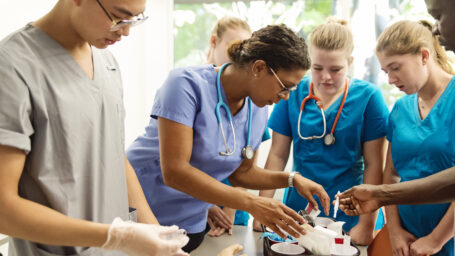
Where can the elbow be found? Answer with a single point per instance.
(171, 176)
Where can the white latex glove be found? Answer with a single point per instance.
(138, 239)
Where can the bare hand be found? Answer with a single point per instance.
(359, 200)
(307, 188)
(220, 218)
(232, 250)
(275, 215)
(425, 246)
(215, 228)
(361, 234)
(401, 241)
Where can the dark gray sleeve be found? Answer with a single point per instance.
(15, 106)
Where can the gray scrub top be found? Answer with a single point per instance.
(71, 128)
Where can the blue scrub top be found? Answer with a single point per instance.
(189, 97)
(421, 148)
(340, 166)
(242, 217)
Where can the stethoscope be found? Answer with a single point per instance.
(329, 139)
(247, 150)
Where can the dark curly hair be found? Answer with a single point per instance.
(277, 45)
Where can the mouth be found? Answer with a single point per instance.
(400, 87)
(110, 42)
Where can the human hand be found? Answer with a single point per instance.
(215, 228)
(400, 241)
(277, 216)
(232, 250)
(426, 245)
(359, 200)
(220, 217)
(307, 188)
(138, 239)
(361, 234)
(257, 226)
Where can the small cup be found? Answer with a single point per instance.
(285, 249)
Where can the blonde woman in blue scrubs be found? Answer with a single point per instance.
(421, 133)
(185, 153)
(351, 151)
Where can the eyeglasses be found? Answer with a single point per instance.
(285, 89)
(117, 25)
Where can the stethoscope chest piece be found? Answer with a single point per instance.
(329, 139)
(248, 152)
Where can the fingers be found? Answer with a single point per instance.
(216, 232)
(231, 250)
(324, 199)
(211, 223)
(219, 217)
(346, 194)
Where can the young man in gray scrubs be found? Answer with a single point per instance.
(63, 172)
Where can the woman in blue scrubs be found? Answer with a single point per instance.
(421, 133)
(225, 31)
(184, 154)
(355, 115)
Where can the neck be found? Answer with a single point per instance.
(436, 84)
(234, 81)
(327, 98)
(57, 24)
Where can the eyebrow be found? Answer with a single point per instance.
(390, 64)
(329, 67)
(126, 12)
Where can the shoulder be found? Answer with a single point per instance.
(363, 87)
(194, 73)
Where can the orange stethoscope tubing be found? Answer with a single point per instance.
(329, 139)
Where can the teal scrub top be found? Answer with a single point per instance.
(340, 166)
(421, 148)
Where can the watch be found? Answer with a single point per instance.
(291, 179)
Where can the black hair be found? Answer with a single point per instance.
(277, 45)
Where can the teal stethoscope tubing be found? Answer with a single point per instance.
(220, 105)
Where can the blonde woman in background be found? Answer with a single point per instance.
(421, 133)
(225, 31)
(355, 115)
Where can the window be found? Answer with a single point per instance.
(194, 19)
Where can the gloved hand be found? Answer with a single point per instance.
(138, 239)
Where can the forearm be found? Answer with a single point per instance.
(274, 163)
(443, 232)
(372, 175)
(259, 178)
(200, 185)
(136, 197)
(31, 221)
(437, 188)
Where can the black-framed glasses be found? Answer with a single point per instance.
(117, 25)
(285, 89)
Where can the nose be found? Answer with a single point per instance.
(325, 75)
(284, 96)
(392, 79)
(124, 31)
